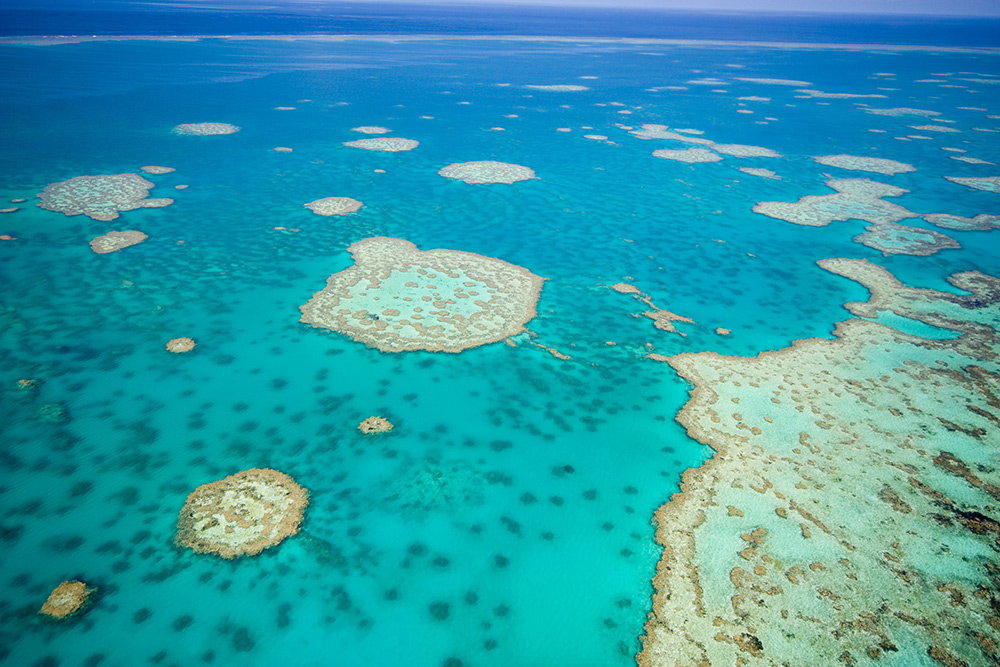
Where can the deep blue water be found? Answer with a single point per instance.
(117, 17)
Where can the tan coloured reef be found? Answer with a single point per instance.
(398, 298)
(375, 425)
(67, 599)
(180, 345)
(848, 513)
(115, 241)
(242, 514)
(334, 206)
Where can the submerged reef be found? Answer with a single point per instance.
(857, 163)
(981, 222)
(67, 599)
(893, 239)
(855, 198)
(384, 144)
(689, 155)
(903, 111)
(371, 129)
(398, 298)
(204, 129)
(488, 171)
(242, 514)
(652, 131)
(115, 241)
(987, 183)
(559, 88)
(763, 173)
(100, 197)
(334, 206)
(849, 512)
(153, 169)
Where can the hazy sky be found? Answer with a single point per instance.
(944, 7)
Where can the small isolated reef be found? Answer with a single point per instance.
(849, 511)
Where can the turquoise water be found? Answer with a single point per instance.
(506, 519)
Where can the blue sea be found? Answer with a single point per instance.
(506, 521)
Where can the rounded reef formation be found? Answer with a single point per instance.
(487, 171)
(334, 206)
(384, 144)
(115, 241)
(66, 599)
(100, 197)
(375, 425)
(180, 345)
(243, 514)
(205, 129)
(153, 169)
(371, 129)
(398, 298)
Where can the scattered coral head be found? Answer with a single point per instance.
(66, 599)
(375, 425)
(179, 345)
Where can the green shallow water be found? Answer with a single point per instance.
(506, 519)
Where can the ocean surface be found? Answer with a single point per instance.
(507, 518)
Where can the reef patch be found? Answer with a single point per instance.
(101, 197)
(398, 298)
(243, 514)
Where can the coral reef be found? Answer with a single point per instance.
(334, 206)
(153, 169)
(371, 129)
(893, 239)
(487, 171)
(902, 111)
(559, 88)
(384, 144)
(100, 197)
(375, 425)
(180, 345)
(243, 514)
(776, 82)
(203, 129)
(856, 163)
(763, 173)
(848, 512)
(397, 298)
(652, 131)
(860, 199)
(689, 155)
(115, 241)
(981, 222)
(67, 599)
(986, 183)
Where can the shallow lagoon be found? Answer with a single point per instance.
(506, 519)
